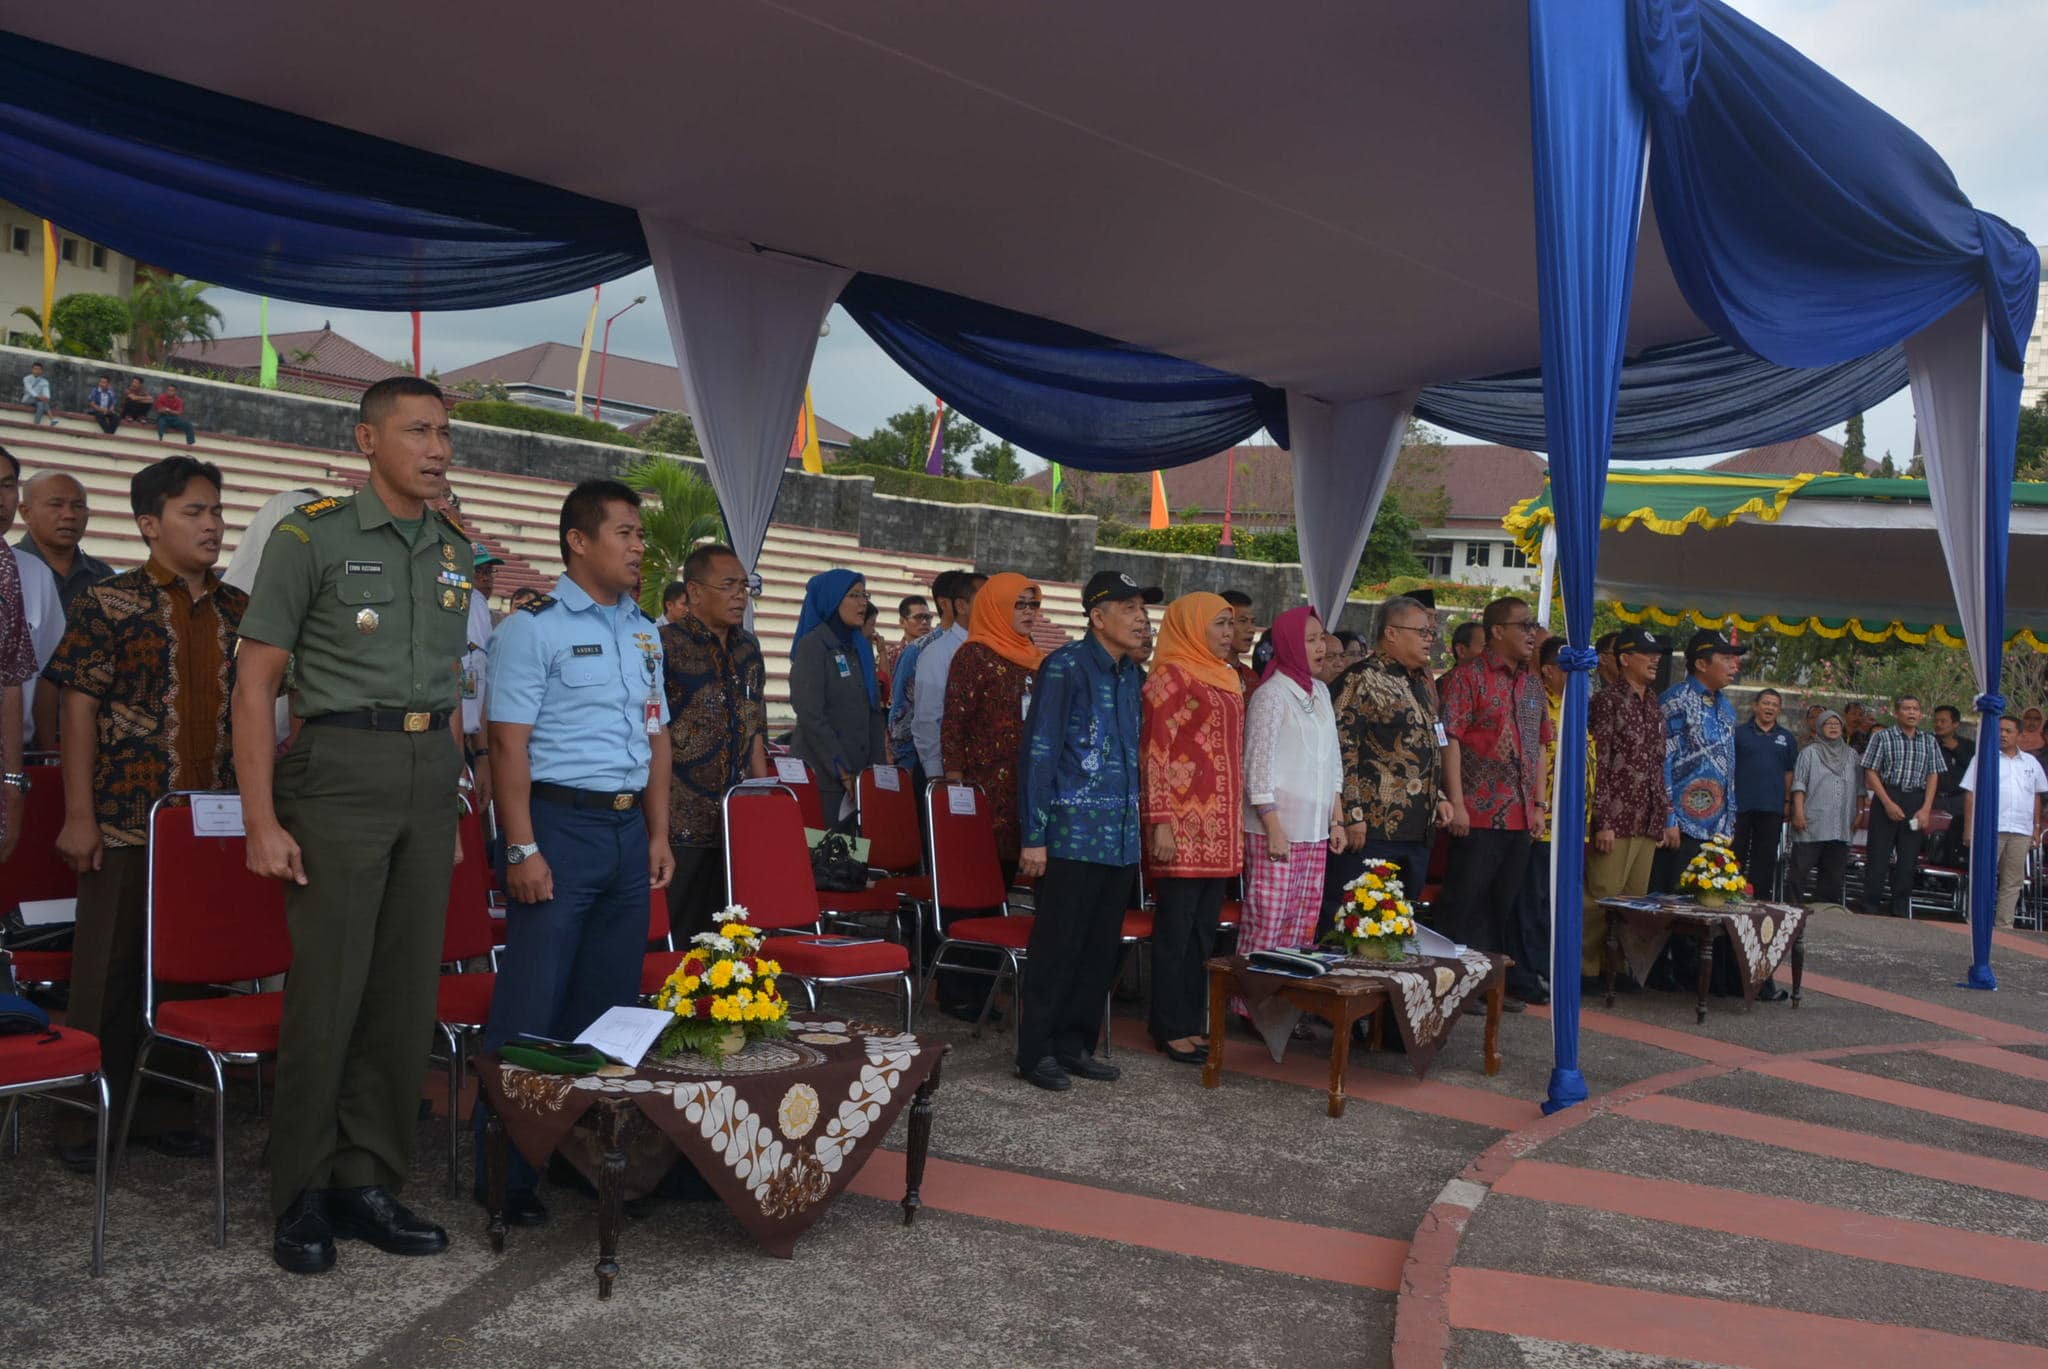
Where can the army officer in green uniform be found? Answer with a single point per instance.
(370, 592)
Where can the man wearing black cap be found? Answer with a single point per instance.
(1077, 792)
(1631, 808)
(1699, 755)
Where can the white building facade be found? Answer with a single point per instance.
(84, 267)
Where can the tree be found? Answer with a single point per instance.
(1888, 468)
(1852, 447)
(900, 441)
(682, 511)
(1916, 469)
(86, 325)
(1390, 547)
(671, 432)
(997, 461)
(166, 311)
(34, 340)
(1421, 476)
(2031, 453)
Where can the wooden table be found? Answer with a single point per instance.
(1703, 928)
(1340, 1000)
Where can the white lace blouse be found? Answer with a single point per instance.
(1291, 758)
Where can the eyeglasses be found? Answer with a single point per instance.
(1525, 624)
(1427, 634)
(859, 594)
(1032, 604)
(727, 586)
(919, 618)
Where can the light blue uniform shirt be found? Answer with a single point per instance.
(579, 673)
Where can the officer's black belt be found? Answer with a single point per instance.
(381, 720)
(611, 800)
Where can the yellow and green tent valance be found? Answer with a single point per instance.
(1837, 555)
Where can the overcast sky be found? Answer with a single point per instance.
(1964, 74)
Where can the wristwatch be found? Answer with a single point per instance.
(517, 854)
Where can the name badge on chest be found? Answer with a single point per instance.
(845, 666)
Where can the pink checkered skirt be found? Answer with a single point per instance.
(1282, 899)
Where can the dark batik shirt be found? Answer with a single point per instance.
(1387, 730)
(1077, 788)
(161, 665)
(1627, 729)
(982, 733)
(717, 705)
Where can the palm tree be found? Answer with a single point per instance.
(682, 512)
(168, 310)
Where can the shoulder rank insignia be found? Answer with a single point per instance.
(535, 605)
(319, 508)
(449, 519)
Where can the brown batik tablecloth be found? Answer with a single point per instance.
(1427, 994)
(1761, 933)
(777, 1130)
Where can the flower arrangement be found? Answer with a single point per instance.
(1714, 876)
(1376, 920)
(723, 993)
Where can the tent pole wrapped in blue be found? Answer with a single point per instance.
(1587, 128)
(243, 195)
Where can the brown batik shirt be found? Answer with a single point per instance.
(717, 706)
(1387, 730)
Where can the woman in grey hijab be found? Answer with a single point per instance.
(1825, 784)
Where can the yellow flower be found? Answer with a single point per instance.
(735, 929)
(767, 987)
(720, 975)
(768, 967)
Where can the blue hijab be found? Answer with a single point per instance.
(822, 597)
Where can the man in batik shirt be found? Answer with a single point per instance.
(1387, 729)
(1699, 755)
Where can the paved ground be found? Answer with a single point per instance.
(1863, 1180)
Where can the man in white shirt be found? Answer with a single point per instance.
(35, 392)
(39, 601)
(2021, 783)
(933, 664)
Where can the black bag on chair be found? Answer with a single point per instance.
(833, 866)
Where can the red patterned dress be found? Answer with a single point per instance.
(982, 732)
(1192, 774)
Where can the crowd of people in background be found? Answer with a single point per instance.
(165, 409)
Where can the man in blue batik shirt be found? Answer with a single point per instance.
(580, 750)
(1699, 755)
(1077, 810)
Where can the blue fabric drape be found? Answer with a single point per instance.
(2001, 434)
(823, 593)
(1587, 130)
(1068, 395)
(1686, 399)
(240, 194)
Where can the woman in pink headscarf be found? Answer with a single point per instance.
(1293, 779)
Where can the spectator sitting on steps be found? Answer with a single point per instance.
(170, 413)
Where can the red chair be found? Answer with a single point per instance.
(36, 872)
(210, 921)
(768, 870)
(888, 821)
(657, 966)
(967, 874)
(462, 1001)
(794, 774)
(54, 1063)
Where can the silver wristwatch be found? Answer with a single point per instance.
(515, 854)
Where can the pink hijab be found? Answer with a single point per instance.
(1290, 647)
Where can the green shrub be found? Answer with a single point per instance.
(941, 489)
(527, 418)
(1201, 539)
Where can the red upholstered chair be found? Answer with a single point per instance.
(768, 871)
(657, 966)
(54, 1064)
(210, 922)
(966, 873)
(1939, 887)
(1137, 934)
(794, 774)
(462, 1001)
(36, 872)
(888, 820)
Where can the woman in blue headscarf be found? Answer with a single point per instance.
(832, 687)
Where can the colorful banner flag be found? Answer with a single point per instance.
(1059, 488)
(266, 375)
(49, 277)
(807, 437)
(1159, 519)
(583, 358)
(935, 450)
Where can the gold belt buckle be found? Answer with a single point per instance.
(621, 802)
(417, 722)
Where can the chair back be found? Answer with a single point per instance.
(469, 932)
(36, 871)
(794, 773)
(966, 872)
(767, 863)
(888, 818)
(658, 928)
(1939, 821)
(210, 920)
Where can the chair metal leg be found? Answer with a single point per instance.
(453, 1036)
(12, 1126)
(220, 1151)
(909, 1002)
(128, 1104)
(103, 1103)
(1016, 1001)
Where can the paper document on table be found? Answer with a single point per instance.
(624, 1034)
(1428, 942)
(216, 815)
(48, 912)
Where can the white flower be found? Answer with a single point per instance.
(740, 973)
(713, 940)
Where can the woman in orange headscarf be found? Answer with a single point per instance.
(988, 693)
(1191, 764)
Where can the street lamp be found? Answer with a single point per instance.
(597, 410)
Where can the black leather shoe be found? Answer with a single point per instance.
(1047, 1074)
(523, 1207)
(1771, 993)
(372, 1214)
(1088, 1067)
(1188, 1055)
(1534, 998)
(304, 1243)
(180, 1145)
(82, 1158)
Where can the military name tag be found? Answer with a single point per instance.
(593, 649)
(364, 567)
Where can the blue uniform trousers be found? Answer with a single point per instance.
(567, 960)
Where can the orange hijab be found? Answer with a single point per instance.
(993, 608)
(1182, 641)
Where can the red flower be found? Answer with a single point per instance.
(1748, 889)
(692, 965)
(701, 1007)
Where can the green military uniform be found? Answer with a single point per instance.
(376, 612)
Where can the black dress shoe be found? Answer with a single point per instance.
(304, 1243)
(1771, 993)
(1046, 1074)
(180, 1144)
(1088, 1067)
(523, 1207)
(1534, 998)
(1189, 1055)
(372, 1214)
(82, 1158)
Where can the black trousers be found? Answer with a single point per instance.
(1756, 848)
(1529, 927)
(1184, 918)
(1667, 864)
(1817, 872)
(1339, 870)
(1480, 886)
(697, 893)
(1890, 841)
(108, 422)
(1076, 939)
